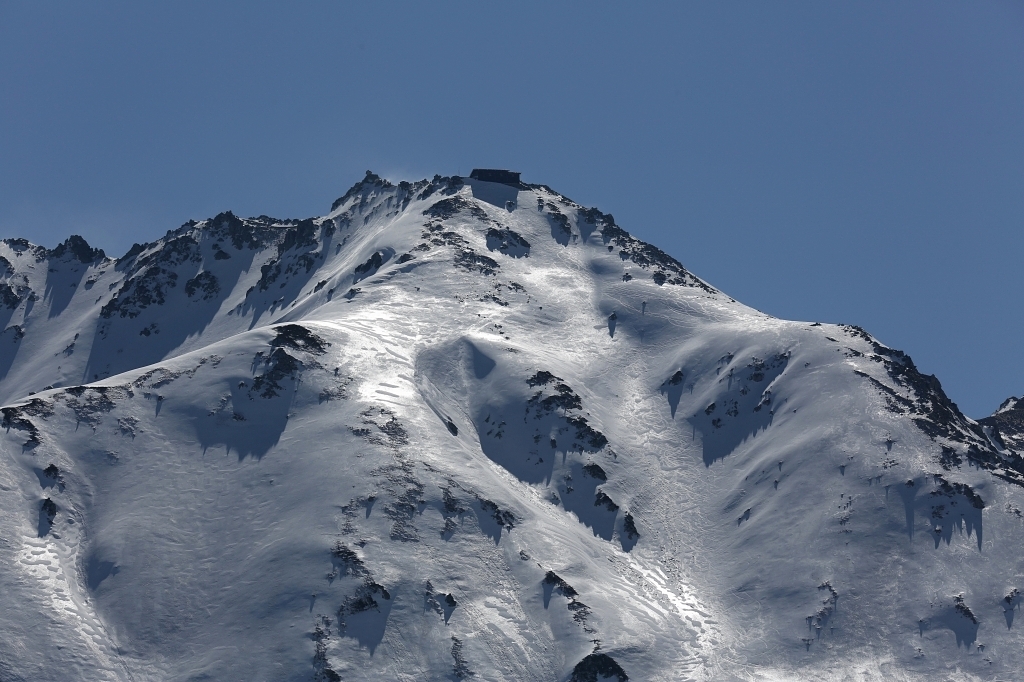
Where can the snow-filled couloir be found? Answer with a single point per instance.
(465, 429)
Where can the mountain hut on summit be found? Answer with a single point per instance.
(504, 177)
(497, 187)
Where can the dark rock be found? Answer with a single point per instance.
(541, 378)
(602, 500)
(9, 298)
(47, 513)
(597, 667)
(448, 208)
(347, 560)
(508, 242)
(370, 181)
(371, 266)
(472, 261)
(298, 337)
(132, 252)
(460, 669)
(205, 283)
(551, 578)
(629, 525)
(963, 610)
(502, 517)
(79, 249)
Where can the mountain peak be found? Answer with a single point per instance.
(466, 420)
(1011, 403)
(78, 248)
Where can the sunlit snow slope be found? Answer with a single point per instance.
(458, 429)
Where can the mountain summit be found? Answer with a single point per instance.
(467, 428)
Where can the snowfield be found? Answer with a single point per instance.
(456, 429)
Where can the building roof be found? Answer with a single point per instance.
(505, 177)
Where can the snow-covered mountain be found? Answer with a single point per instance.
(462, 429)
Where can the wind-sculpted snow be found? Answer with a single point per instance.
(453, 430)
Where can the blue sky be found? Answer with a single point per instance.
(844, 162)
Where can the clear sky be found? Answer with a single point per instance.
(858, 162)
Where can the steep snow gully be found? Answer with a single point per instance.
(467, 428)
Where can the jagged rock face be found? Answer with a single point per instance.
(1007, 427)
(445, 431)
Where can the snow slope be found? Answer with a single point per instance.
(459, 429)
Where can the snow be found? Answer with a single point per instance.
(1009, 404)
(405, 401)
